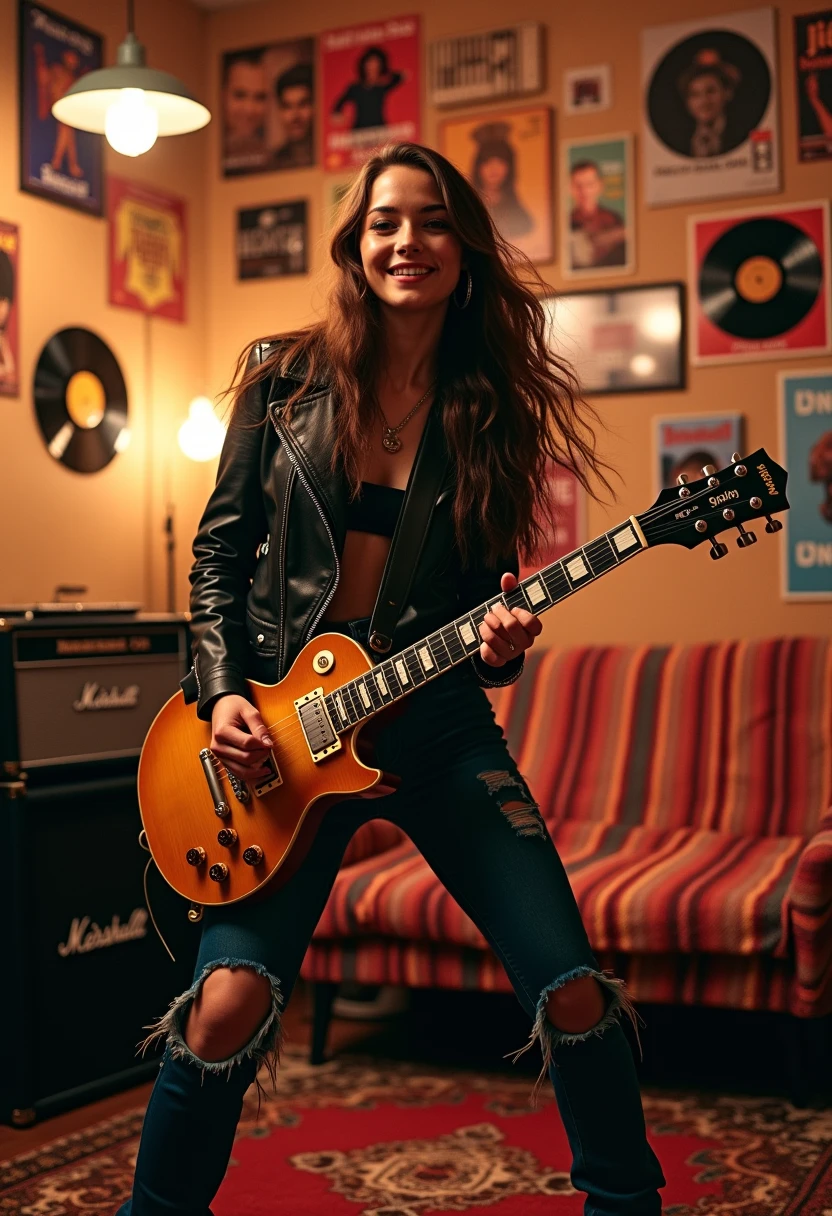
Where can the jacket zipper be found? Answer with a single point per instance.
(308, 488)
(282, 568)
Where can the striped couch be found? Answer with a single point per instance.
(688, 790)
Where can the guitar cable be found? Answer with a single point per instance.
(151, 859)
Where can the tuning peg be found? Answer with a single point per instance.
(745, 538)
(717, 548)
(708, 470)
(735, 457)
(682, 479)
(773, 525)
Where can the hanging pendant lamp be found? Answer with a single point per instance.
(131, 103)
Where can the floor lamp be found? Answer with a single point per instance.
(200, 438)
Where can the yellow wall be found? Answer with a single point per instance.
(58, 526)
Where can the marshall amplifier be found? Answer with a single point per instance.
(85, 968)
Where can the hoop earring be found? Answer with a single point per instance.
(467, 293)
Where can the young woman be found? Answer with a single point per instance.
(433, 349)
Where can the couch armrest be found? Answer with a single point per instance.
(374, 837)
(807, 924)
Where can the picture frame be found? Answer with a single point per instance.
(486, 65)
(805, 426)
(684, 443)
(148, 249)
(267, 107)
(629, 339)
(57, 162)
(597, 207)
(272, 241)
(587, 90)
(507, 157)
(9, 309)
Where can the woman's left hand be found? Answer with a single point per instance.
(507, 633)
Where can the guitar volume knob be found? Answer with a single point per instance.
(218, 871)
(226, 837)
(195, 856)
(253, 855)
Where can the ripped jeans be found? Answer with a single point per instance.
(468, 810)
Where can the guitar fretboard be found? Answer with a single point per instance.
(405, 671)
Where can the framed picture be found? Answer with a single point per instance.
(624, 340)
(372, 89)
(488, 66)
(267, 108)
(587, 90)
(710, 110)
(507, 157)
(569, 530)
(806, 451)
(272, 241)
(685, 445)
(57, 162)
(148, 249)
(9, 309)
(597, 214)
(813, 77)
(759, 283)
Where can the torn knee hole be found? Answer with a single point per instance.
(523, 813)
(578, 1005)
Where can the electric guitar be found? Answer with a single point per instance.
(217, 839)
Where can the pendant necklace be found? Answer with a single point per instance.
(390, 439)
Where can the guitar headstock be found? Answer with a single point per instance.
(751, 487)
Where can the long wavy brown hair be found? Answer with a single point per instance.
(510, 403)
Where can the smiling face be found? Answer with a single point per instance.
(245, 101)
(411, 256)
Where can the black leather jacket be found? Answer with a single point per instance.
(268, 548)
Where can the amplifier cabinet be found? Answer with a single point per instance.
(85, 967)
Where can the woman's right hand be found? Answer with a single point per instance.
(239, 738)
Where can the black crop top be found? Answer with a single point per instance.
(377, 510)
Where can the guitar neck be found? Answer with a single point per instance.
(402, 673)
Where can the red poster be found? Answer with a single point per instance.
(147, 249)
(759, 283)
(371, 89)
(9, 309)
(570, 528)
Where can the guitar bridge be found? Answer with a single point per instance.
(321, 736)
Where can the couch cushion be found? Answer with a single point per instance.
(639, 889)
(727, 736)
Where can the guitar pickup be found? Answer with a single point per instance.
(316, 724)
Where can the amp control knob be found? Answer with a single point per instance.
(218, 871)
(195, 856)
(226, 837)
(253, 855)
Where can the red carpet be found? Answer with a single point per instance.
(363, 1138)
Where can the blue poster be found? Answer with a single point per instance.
(56, 161)
(806, 445)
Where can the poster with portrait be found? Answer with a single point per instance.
(267, 108)
(272, 241)
(569, 530)
(759, 283)
(597, 213)
(813, 76)
(56, 161)
(686, 445)
(371, 89)
(806, 451)
(148, 249)
(507, 157)
(710, 116)
(9, 309)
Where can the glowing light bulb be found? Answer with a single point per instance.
(201, 435)
(131, 125)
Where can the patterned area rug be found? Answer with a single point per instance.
(359, 1138)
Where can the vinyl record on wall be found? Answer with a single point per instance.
(80, 400)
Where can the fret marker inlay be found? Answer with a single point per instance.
(625, 539)
(577, 569)
(364, 697)
(381, 684)
(467, 633)
(427, 661)
(401, 671)
(535, 592)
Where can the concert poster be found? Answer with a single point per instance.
(267, 108)
(371, 91)
(759, 283)
(486, 66)
(685, 445)
(507, 157)
(57, 162)
(806, 451)
(710, 110)
(569, 531)
(597, 206)
(272, 241)
(148, 249)
(9, 309)
(813, 76)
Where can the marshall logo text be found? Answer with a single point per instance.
(85, 935)
(93, 696)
